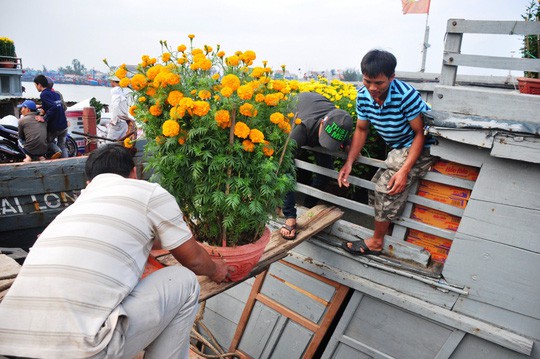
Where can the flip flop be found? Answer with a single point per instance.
(290, 229)
(356, 246)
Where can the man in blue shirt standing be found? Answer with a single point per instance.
(53, 113)
(394, 108)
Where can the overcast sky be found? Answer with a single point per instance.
(302, 34)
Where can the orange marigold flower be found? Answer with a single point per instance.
(191, 36)
(271, 99)
(128, 143)
(207, 48)
(278, 85)
(153, 72)
(285, 126)
(248, 110)
(165, 57)
(181, 48)
(290, 115)
(201, 108)
(152, 61)
(174, 97)
(297, 121)
(182, 136)
(248, 146)
(172, 79)
(132, 110)
(248, 56)
(241, 130)
(150, 91)
(257, 72)
(205, 64)
(181, 60)
(170, 128)
(226, 92)
(138, 82)
(231, 81)
(232, 60)
(204, 94)
(120, 72)
(155, 110)
(215, 76)
(223, 118)
(259, 97)
(217, 98)
(256, 136)
(160, 140)
(221, 53)
(245, 92)
(124, 82)
(267, 149)
(277, 118)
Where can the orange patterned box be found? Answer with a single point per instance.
(435, 218)
(427, 246)
(431, 238)
(456, 170)
(444, 189)
(452, 201)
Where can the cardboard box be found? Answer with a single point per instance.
(456, 170)
(444, 189)
(452, 201)
(431, 238)
(435, 218)
(427, 246)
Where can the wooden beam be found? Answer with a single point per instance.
(491, 62)
(461, 26)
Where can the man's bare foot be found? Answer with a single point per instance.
(27, 159)
(288, 230)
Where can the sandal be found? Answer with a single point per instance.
(356, 247)
(290, 229)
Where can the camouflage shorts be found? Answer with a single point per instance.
(388, 207)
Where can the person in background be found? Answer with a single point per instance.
(395, 109)
(32, 133)
(79, 293)
(119, 109)
(55, 116)
(50, 85)
(322, 125)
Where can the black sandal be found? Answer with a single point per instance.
(356, 247)
(290, 237)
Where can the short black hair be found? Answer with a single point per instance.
(110, 158)
(41, 80)
(377, 62)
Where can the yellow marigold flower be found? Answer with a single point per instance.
(153, 72)
(290, 115)
(181, 48)
(257, 72)
(191, 36)
(297, 121)
(217, 98)
(174, 97)
(152, 61)
(278, 85)
(241, 130)
(128, 143)
(221, 54)
(264, 63)
(207, 48)
(138, 82)
(170, 128)
(223, 118)
(248, 56)
(201, 108)
(204, 94)
(259, 97)
(245, 92)
(294, 85)
(205, 64)
(155, 110)
(165, 57)
(142, 99)
(248, 110)
(248, 146)
(277, 117)
(226, 92)
(232, 60)
(267, 149)
(124, 82)
(215, 76)
(232, 81)
(271, 99)
(132, 110)
(256, 136)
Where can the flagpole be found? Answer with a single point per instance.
(425, 45)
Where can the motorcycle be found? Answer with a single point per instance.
(9, 148)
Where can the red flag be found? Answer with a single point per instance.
(415, 6)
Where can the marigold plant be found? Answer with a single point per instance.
(217, 129)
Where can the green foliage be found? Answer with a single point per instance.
(7, 47)
(530, 42)
(351, 75)
(98, 106)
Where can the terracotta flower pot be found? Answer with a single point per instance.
(529, 86)
(241, 258)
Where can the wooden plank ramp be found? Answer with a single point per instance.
(308, 224)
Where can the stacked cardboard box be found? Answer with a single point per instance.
(451, 195)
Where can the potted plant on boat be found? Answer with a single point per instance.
(217, 131)
(530, 83)
(7, 53)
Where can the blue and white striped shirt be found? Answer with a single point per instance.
(391, 120)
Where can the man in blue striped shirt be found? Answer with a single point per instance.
(394, 108)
